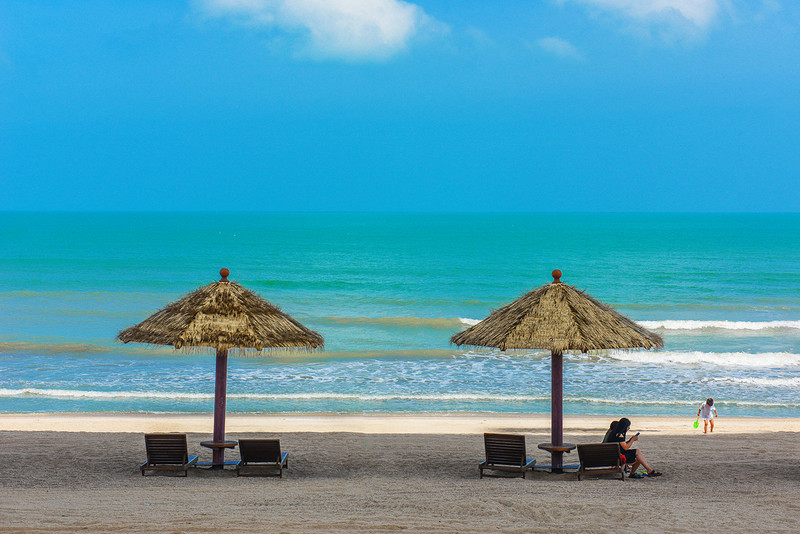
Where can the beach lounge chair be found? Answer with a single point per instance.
(261, 457)
(167, 452)
(505, 453)
(600, 459)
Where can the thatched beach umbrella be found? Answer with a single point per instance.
(558, 318)
(222, 316)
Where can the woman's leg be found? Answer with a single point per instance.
(634, 466)
(640, 460)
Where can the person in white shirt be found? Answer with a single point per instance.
(708, 412)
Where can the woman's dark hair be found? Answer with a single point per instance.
(612, 430)
(622, 426)
(710, 401)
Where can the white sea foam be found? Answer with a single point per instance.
(723, 325)
(696, 325)
(82, 394)
(455, 397)
(727, 359)
(177, 395)
(678, 402)
(761, 382)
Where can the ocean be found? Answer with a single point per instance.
(387, 291)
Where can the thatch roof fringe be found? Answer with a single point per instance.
(557, 317)
(223, 315)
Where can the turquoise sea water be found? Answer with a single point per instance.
(387, 292)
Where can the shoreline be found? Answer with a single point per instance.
(377, 423)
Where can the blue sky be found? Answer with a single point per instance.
(382, 105)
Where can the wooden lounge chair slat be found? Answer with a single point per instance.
(261, 457)
(599, 459)
(504, 453)
(167, 452)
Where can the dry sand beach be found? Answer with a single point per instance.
(376, 473)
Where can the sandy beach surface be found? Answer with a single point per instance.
(390, 473)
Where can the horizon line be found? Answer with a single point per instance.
(382, 212)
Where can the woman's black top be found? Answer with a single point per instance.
(630, 454)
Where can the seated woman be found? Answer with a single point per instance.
(633, 457)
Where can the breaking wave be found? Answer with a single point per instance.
(759, 382)
(727, 359)
(463, 322)
(455, 397)
(722, 325)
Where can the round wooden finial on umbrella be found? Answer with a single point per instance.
(224, 272)
(556, 276)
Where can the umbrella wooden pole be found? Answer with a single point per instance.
(556, 410)
(218, 457)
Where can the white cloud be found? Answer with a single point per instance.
(355, 30)
(699, 12)
(559, 47)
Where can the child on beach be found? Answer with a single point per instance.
(705, 412)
